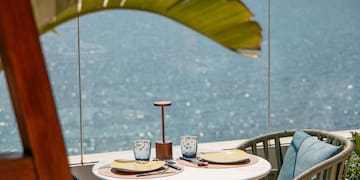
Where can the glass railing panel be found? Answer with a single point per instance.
(315, 61)
(260, 12)
(9, 133)
(131, 59)
(61, 54)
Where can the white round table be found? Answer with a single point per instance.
(254, 171)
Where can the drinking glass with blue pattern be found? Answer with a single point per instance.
(142, 150)
(189, 146)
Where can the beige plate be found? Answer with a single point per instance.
(226, 156)
(134, 167)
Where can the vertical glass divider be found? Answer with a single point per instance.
(80, 94)
(268, 68)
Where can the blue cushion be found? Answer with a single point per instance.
(304, 152)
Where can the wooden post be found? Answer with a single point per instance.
(31, 95)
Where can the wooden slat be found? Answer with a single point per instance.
(15, 166)
(279, 158)
(345, 170)
(331, 172)
(266, 149)
(340, 170)
(254, 148)
(30, 91)
(320, 174)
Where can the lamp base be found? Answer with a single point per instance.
(163, 150)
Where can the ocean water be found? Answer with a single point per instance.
(130, 59)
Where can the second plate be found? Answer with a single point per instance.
(226, 156)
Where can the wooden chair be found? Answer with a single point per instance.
(272, 147)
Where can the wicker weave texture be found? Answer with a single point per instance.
(273, 147)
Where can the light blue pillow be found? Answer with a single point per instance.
(304, 152)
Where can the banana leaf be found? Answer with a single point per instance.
(224, 21)
(227, 22)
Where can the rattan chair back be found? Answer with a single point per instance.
(273, 147)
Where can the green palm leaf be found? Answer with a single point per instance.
(224, 21)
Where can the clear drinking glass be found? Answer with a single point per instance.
(189, 146)
(142, 150)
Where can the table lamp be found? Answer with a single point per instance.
(163, 147)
